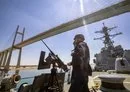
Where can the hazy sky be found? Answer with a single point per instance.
(40, 15)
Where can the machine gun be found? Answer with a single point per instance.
(55, 59)
(52, 82)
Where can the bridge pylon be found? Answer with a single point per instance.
(5, 61)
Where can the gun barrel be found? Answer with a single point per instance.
(57, 59)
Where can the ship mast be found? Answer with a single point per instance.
(107, 37)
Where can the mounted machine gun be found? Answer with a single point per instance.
(46, 82)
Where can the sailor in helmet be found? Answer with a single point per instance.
(80, 63)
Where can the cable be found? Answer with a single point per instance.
(9, 40)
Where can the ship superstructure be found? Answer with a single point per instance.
(105, 60)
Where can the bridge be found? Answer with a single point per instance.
(111, 11)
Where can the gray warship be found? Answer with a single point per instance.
(105, 60)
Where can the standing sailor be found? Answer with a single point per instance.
(80, 63)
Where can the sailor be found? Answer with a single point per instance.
(80, 63)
